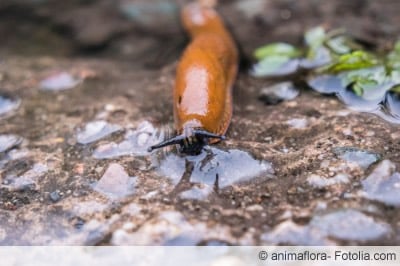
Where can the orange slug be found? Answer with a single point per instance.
(204, 79)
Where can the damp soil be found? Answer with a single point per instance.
(290, 173)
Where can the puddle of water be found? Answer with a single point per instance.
(116, 183)
(59, 81)
(354, 155)
(277, 93)
(96, 130)
(136, 142)
(8, 106)
(346, 224)
(383, 184)
(225, 167)
(8, 142)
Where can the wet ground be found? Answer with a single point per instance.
(80, 104)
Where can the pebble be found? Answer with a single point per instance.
(116, 183)
(297, 123)
(321, 182)
(8, 105)
(231, 166)
(59, 81)
(345, 224)
(55, 196)
(277, 93)
(27, 181)
(383, 184)
(95, 131)
(8, 142)
(136, 142)
(360, 157)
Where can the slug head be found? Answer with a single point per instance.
(189, 144)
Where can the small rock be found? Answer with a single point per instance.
(354, 155)
(59, 81)
(277, 93)
(350, 224)
(197, 193)
(232, 166)
(28, 181)
(55, 196)
(116, 183)
(136, 142)
(347, 224)
(321, 182)
(383, 185)
(96, 130)
(7, 105)
(298, 123)
(8, 142)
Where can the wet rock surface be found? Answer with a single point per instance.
(306, 171)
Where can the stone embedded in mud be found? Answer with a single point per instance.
(27, 181)
(172, 228)
(7, 105)
(96, 130)
(360, 157)
(321, 182)
(383, 184)
(59, 81)
(136, 143)
(298, 123)
(116, 183)
(215, 165)
(197, 192)
(284, 91)
(8, 142)
(350, 224)
(288, 232)
(346, 224)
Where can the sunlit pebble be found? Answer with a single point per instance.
(347, 132)
(79, 168)
(59, 81)
(9, 141)
(8, 105)
(128, 226)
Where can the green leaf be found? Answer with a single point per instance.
(277, 49)
(352, 61)
(396, 89)
(339, 45)
(314, 39)
(276, 65)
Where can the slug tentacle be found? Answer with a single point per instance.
(192, 144)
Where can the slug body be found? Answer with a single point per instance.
(204, 79)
